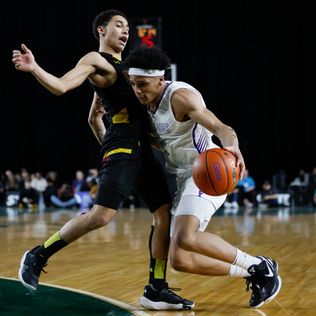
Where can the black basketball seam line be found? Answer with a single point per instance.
(208, 174)
(226, 169)
(210, 179)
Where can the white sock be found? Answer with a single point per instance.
(244, 260)
(236, 271)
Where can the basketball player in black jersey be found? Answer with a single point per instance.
(126, 158)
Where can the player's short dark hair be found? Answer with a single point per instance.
(148, 58)
(103, 19)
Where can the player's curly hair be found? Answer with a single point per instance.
(147, 58)
(103, 18)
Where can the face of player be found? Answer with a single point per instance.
(116, 33)
(147, 89)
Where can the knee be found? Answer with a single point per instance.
(99, 218)
(162, 216)
(178, 263)
(186, 241)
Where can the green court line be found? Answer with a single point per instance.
(53, 300)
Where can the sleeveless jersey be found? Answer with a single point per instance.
(182, 141)
(125, 118)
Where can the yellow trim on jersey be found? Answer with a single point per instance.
(121, 117)
(52, 239)
(117, 151)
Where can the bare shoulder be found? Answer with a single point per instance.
(183, 93)
(184, 98)
(95, 60)
(92, 57)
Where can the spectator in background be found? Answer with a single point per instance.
(267, 196)
(39, 183)
(10, 181)
(80, 183)
(23, 177)
(11, 189)
(2, 191)
(312, 188)
(51, 189)
(65, 197)
(243, 194)
(92, 181)
(247, 188)
(299, 187)
(93, 175)
(28, 196)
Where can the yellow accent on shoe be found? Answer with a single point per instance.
(52, 239)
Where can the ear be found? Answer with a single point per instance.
(101, 30)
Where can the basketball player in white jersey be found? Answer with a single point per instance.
(185, 126)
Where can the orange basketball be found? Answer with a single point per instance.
(215, 171)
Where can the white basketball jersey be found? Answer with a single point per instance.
(182, 141)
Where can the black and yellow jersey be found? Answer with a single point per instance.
(126, 119)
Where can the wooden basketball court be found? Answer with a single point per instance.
(113, 261)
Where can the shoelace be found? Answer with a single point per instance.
(39, 267)
(171, 289)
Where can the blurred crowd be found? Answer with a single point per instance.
(274, 192)
(30, 190)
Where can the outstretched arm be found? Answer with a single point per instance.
(189, 103)
(95, 119)
(25, 61)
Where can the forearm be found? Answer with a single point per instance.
(58, 86)
(53, 84)
(98, 129)
(227, 136)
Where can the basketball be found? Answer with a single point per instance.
(215, 171)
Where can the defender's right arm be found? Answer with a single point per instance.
(87, 65)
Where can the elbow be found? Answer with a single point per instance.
(59, 92)
(91, 120)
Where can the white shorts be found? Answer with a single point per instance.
(190, 200)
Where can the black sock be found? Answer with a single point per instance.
(157, 267)
(50, 247)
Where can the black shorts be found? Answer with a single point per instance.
(151, 182)
(144, 173)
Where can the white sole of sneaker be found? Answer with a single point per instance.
(273, 296)
(29, 287)
(276, 293)
(161, 306)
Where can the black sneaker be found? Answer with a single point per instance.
(264, 282)
(30, 269)
(164, 299)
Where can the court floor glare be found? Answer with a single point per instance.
(109, 266)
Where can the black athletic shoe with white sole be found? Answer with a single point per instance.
(164, 299)
(30, 269)
(264, 281)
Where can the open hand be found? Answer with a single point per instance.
(24, 59)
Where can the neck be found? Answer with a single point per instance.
(109, 50)
(155, 103)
